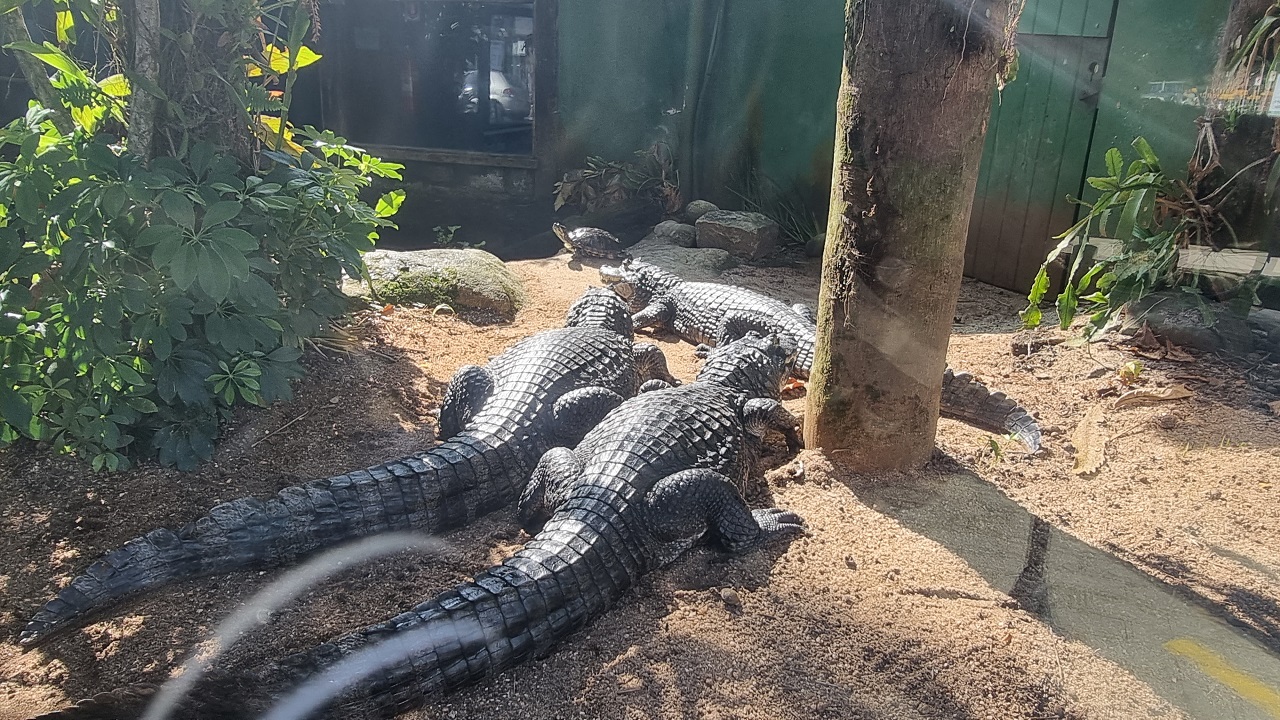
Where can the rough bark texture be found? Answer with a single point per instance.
(143, 105)
(911, 118)
(1243, 16)
(13, 26)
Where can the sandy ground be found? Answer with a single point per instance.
(862, 618)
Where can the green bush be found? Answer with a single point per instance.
(138, 305)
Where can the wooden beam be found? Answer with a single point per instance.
(452, 157)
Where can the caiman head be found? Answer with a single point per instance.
(600, 308)
(755, 364)
(637, 282)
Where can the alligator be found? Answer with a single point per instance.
(591, 242)
(546, 390)
(656, 475)
(708, 314)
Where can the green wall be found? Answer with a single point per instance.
(1156, 40)
(621, 67)
(769, 103)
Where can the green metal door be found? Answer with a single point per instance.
(1038, 140)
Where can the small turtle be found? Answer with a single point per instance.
(591, 242)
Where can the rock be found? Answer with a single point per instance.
(697, 209)
(1180, 318)
(1267, 324)
(689, 263)
(745, 234)
(685, 236)
(816, 246)
(462, 279)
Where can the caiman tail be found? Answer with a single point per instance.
(568, 574)
(969, 401)
(443, 488)
(574, 569)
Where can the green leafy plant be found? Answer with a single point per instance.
(1132, 209)
(1151, 217)
(790, 208)
(603, 183)
(141, 302)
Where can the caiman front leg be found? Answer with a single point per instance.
(467, 393)
(657, 314)
(556, 472)
(651, 364)
(577, 411)
(762, 415)
(683, 506)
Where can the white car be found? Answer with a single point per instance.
(508, 102)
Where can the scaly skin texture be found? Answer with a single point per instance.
(711, 313)
(656, 475)
(546, 390)
(591, 242)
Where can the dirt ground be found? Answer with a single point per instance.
(861, 618)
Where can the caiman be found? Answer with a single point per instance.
(708, 313)
(656, 475)
(548, 389)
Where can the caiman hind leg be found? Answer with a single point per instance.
(762, 415)
(556, 472)
(651, 364)
(684, 506)
(577, 411)
(468, 390)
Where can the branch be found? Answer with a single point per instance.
(14, 28)
(143, 105)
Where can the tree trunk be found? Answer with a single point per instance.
(14, 27)
(914, 100)
(142, 104)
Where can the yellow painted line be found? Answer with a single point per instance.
(1242, 683)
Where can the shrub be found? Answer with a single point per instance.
(139, 305)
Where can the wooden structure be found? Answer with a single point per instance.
(1038, 140)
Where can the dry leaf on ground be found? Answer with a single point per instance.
(1090, 441)
(1142, 395)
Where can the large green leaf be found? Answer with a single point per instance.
(236, 238)
(389, 204)
(221, 212)
(184, 267)
(214, 278)
(180, 209)
(1129, 218)
(1115, 163)
(14, 408)
(156, 234)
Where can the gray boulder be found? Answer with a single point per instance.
(1189, 320)
(463, 279)
(745, 234)
(1266, 323)
(697, 209)
(816, 246)
(688, 263)
(685, 236)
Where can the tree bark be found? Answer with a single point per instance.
(915, 95)
(14, 27)
(142, 104)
